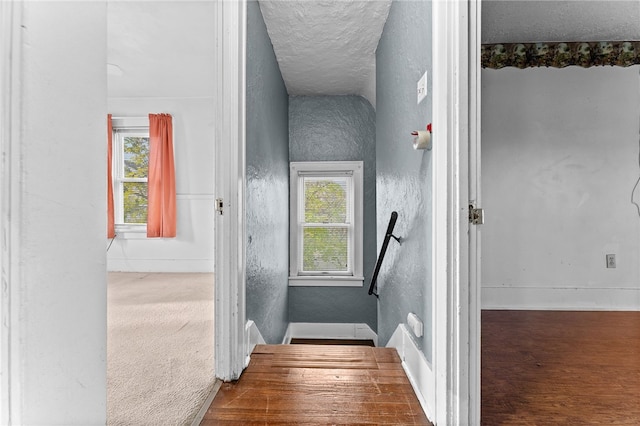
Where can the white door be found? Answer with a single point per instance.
(230, 335)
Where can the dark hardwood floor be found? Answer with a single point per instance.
(560, 368)
(538, 368)
(318, 385)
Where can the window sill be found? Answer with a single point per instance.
(328, 281)
(131, 232)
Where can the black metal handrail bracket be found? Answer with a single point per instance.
(388, 235)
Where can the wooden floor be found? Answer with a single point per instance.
(318, 385)
(560, 368)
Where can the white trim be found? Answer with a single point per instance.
(167, 265)
(198, 197)
(10, 172)
(454, 305)
(475, 195)
(440, 222)
(287, 335)
(553, 298)
(354, 169)
(129, 231)
(328, 281)
(323, 330)
(230, 229)
(130, 122)
(119, 133)
(254, 337)
(417, 368)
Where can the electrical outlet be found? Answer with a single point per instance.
(415, 324)
(611, 261)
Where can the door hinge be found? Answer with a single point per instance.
(219, 205)
(476, 215)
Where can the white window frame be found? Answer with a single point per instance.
(355, 277)
(121, 127)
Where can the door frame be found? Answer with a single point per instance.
(11, 80)
(230, 242)
(456, 118)
(456, 45)
(475, 197)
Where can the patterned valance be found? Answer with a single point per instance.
(560, 55)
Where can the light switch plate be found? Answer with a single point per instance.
(422, 87)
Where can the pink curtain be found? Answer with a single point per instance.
(161, 216)
(111, 231)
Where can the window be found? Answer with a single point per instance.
(326, 224)
(130, 173)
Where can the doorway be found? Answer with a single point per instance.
(547, 176)
(450, 112)
(161, 59)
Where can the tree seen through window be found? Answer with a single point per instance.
(136, 172)
(326, 215)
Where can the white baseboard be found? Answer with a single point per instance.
(549, 298)
(119, 264)
(418, 370)
(314, 330)
(254, 337)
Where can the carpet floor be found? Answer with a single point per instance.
(159, 347)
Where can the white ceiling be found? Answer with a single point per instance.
(165, 48)
(160, 48)
(520, 21)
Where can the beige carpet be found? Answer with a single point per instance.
(159, 347)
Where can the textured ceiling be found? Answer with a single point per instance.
(326, 47)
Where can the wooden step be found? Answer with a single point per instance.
(318, 384)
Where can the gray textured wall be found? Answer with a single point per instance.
(404, 174)
(267, 159)
(337, 128)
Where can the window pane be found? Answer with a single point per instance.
(325, 200)
(135, 202)
(136, 157)
(325, 249)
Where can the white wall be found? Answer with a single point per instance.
(53, 225)
(168, 68)
(559, 162)
(192, 249)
